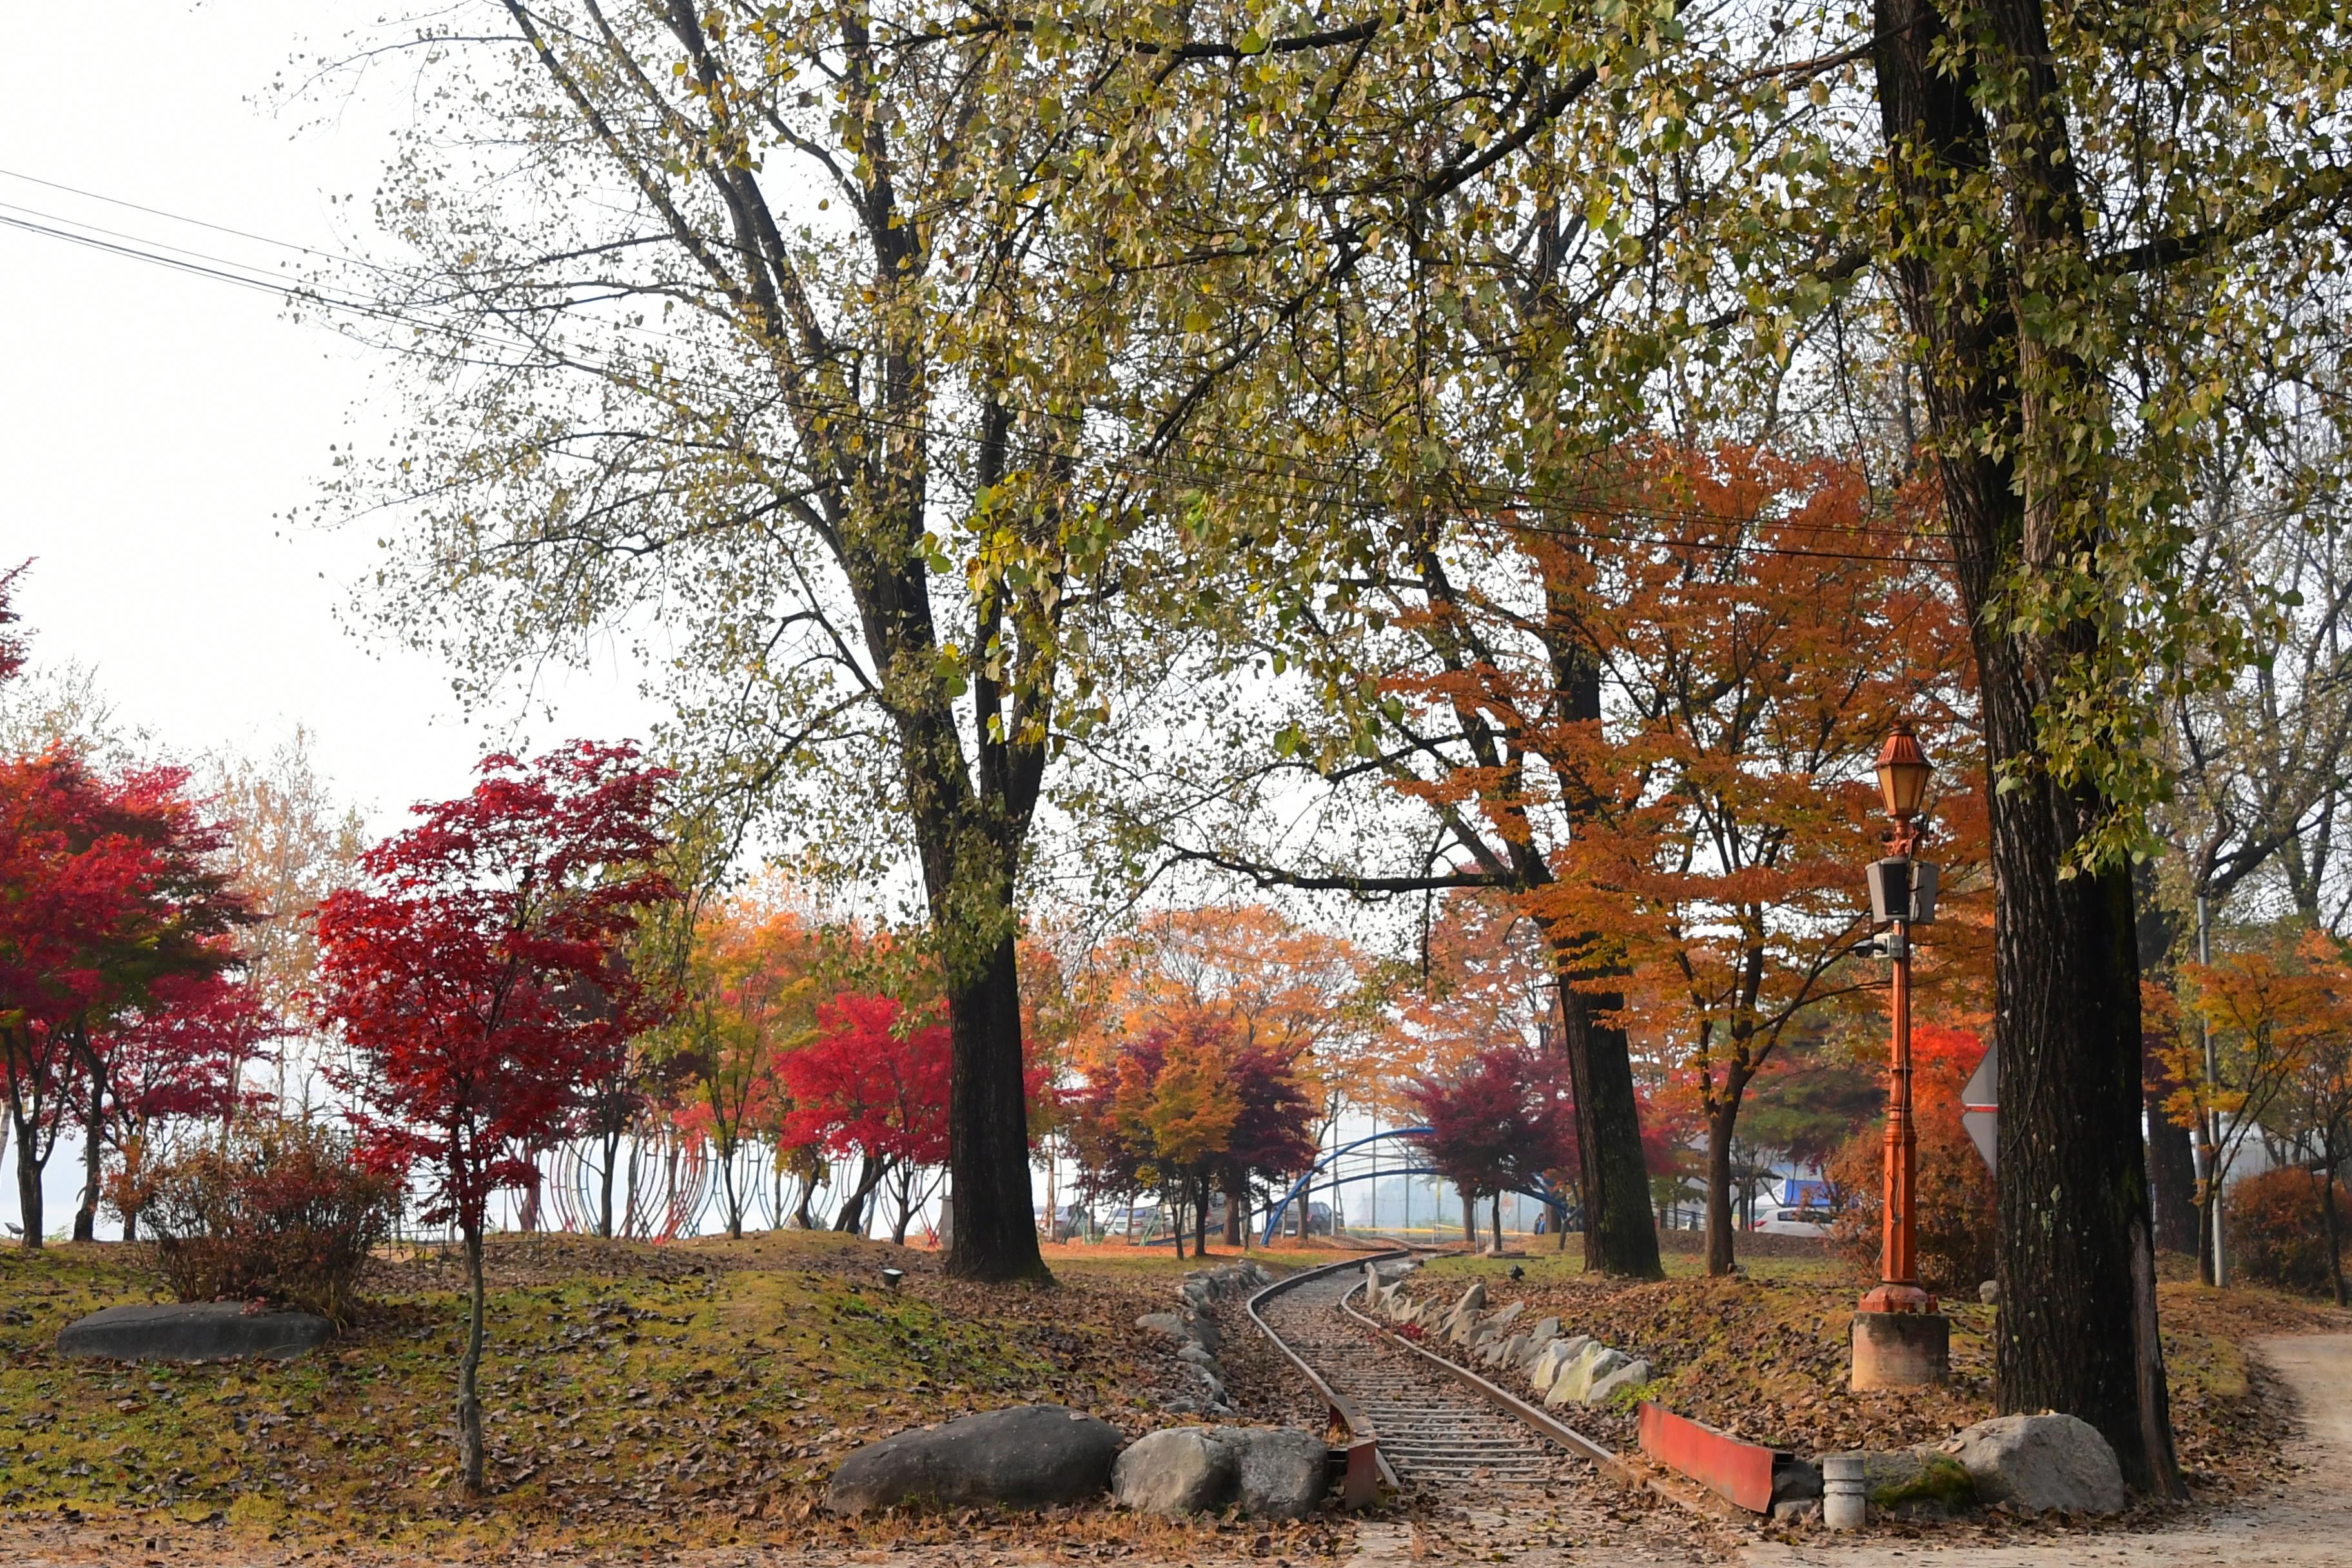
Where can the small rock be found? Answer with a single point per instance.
(1268, 1472)
(1195, 1352)
(1545, 1328)
(1632, 1374)
(1029, 1456)
(1795, 1480)
(1989, 1292)
(2038, 1462)
(1506, 1353)
(1574, 1384)
(1180, 1471)
(1798, 1510)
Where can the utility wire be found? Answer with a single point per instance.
(1235, 466)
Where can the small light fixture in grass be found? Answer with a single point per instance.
(891, 1276)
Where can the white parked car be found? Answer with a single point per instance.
(1792, 1222)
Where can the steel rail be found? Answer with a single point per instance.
(1502, 1399)
(1366, 1468)
(1613, 1465)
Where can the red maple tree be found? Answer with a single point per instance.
(1503, 1123)
(110, 892)
(179, 1057)
(874, 1083)
(477, 977)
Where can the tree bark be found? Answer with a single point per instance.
(1720, 1227)
(469, 1369)
(2076, 1270)
(2335, 1225)
(988, 1125)
(1619, 1234)
(94, 1163)
(605, 1207)
(2171, 1172)
(29, 1187)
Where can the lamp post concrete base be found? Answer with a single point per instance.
(1901, 1350)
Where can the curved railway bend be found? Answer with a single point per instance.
(1435, 1433)
(1481, 1484)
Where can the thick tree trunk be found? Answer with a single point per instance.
(1470, 1221)
(470, 1370)
(2077, 1330)
(2171, 1159)
(1495, 1220)
(2171, 1173)
(2334, 1224)
(1619, 1234)
(995, 1234)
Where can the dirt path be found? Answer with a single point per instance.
(2308, 1526)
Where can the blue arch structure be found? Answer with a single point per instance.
(1541, 1190)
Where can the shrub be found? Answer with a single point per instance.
(1954, 1238)
(2278, 1235)
(276, 1211)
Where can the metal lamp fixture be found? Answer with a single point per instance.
(1903, 773)
(1899, 1338)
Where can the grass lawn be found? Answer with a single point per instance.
(698, 1393)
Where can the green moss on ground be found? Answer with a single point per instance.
(632, 1395)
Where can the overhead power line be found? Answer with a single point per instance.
(1233, 471)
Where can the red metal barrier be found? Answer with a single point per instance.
(1741, 1472)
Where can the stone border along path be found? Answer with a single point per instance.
(2308, 1524)
(1435, 1433)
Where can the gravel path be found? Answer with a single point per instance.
(2308, 1525)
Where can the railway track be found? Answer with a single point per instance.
(1430, 1430)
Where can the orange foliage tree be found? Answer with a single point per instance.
(1304, 1006)
(751, 992)
(1756, 649)
(2268, 1008)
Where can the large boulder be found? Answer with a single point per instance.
(1029, 1456)
(1281, 1471)
(2038, 1462)
(1180, 1470)
(192, 1330)
(1270, 1472)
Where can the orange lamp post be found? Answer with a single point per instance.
(1900, 1338)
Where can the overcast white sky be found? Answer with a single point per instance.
(157, 428)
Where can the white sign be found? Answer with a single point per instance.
(1979, 1113)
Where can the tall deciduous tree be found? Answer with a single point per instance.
(1755, 657)
(478, 975)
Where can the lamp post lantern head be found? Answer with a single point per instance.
(1903, 771)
